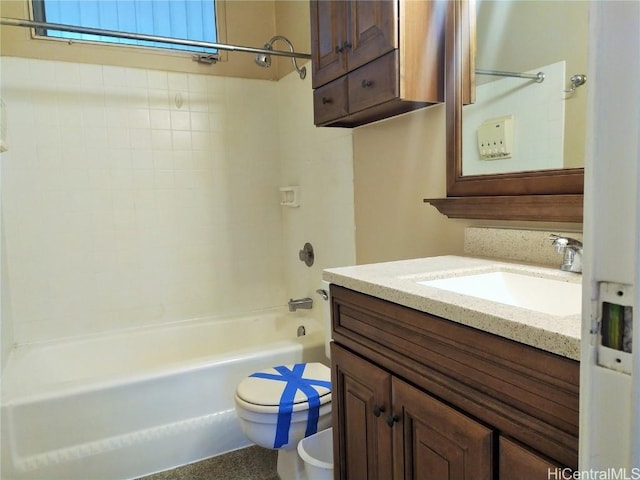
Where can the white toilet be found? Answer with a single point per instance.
(280, 406)
(274, 407)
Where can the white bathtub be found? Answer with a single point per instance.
(124, 405)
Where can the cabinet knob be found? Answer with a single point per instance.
(377, 410)
(391, 419)
(325, 100)
(367, 83)
(342, 47)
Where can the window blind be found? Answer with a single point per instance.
(183, 19)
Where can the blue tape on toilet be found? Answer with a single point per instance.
(295, 382)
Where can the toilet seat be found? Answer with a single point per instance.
(269, 390)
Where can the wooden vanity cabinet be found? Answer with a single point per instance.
(373, 59)
(420, 397)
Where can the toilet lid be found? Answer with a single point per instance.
(287, 385)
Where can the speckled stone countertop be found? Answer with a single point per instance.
(398, 282)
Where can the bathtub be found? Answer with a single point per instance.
(124, 405)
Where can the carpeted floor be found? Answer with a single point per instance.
(252, 463)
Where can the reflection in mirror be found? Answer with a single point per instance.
(541, 124)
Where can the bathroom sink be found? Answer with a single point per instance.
(553, 296)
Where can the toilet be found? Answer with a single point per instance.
(288, 408)
(280, 406)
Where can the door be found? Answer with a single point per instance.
(347, 34)
(432, 441)
(361, 402)
(609, 392)
(372, 31)
(517, 462)
(328, 37)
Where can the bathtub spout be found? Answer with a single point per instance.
(305, 303)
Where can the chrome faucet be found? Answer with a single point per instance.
(572, 250)
(305, 303)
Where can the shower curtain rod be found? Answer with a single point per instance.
(538, 77)
(19, 22)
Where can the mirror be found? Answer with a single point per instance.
(542, 118)
(543, 194)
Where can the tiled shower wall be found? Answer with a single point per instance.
(320, 162)
(135, 197)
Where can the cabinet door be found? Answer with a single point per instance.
(361, 402)
(328, 37)
(432, 441)
(372, 32)
(517, 462)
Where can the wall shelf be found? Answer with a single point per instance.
(547, 208)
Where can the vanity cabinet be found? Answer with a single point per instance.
(373, 59)
(421, 397)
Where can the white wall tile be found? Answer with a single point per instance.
(149, 211)
(178, 81)
(134, 208)
(319, 160)
(67, 73)
(90, 74)
(180, 120)
(114, 76)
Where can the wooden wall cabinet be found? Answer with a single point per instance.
(420, 397)
(373, 59)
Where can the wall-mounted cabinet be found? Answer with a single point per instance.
(420, 397)
(373, 59)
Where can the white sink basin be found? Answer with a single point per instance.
(540, 294)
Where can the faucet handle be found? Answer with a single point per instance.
(560, 242)
(572, 250)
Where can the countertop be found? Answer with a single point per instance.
(397, 282)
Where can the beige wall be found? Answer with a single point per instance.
(247, 22)
(398, 163)
(293, 21)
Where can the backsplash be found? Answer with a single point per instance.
(528, 246)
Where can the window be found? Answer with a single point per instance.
(183, 19)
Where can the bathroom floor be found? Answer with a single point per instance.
(252, 463)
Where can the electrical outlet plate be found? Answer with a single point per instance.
(495, 138)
